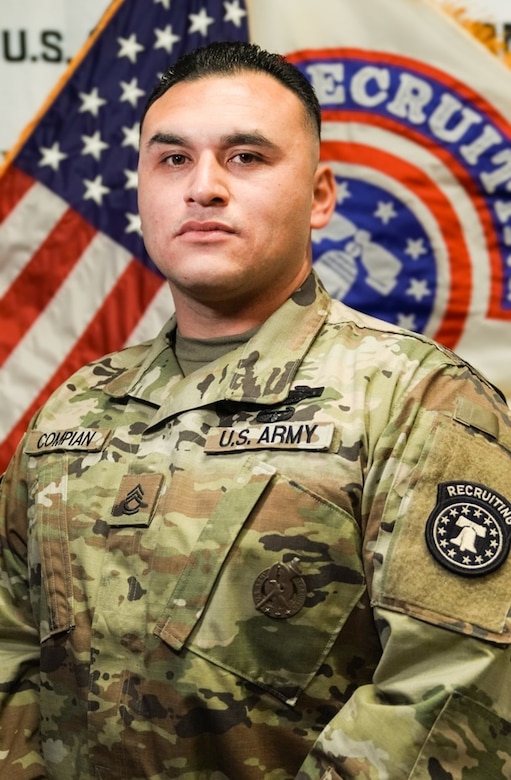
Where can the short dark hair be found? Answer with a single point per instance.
(233, 57)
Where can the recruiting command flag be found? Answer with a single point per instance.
(417, 126)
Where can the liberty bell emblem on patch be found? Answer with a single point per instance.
(469, 530)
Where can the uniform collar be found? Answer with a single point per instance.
(260, 371)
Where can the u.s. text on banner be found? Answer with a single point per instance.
(38, 38)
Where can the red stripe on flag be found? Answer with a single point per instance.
(15, 184)
(110, 328)
(41, 278)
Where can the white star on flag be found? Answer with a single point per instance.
(130, 48)
(233, 12)
(406, 321)
(131, 179)
(52, 156)
(95, 189)
(165, 39)
(93, 145)
(343, 192)
(418, 289)
(200, 22)
(415, 248)
(131, 135)
(131, 92)
(385, 211)
(91, 102)
(134, 224)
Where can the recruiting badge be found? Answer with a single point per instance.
(469, 530)
(280, 591)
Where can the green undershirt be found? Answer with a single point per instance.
(192, 354)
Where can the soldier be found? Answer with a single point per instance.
(273, 542)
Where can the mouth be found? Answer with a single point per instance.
(204, 230)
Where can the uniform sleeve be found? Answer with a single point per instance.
(437, 555)
(20, 757)
(436, 711)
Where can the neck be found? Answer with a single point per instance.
(199, 321)
(204, 320)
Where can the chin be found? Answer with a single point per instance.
(210, 287)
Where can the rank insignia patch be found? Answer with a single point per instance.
(469, 530)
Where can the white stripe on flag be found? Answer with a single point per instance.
(40, 352)
(24, 230)
(154, 318)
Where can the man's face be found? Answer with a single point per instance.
(229, 189)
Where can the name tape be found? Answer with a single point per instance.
(299, 436)
(89, 439)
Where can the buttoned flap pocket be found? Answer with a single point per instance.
(50, 560)
(448, 561)
(272, 579)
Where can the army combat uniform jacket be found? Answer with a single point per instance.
(292, 563)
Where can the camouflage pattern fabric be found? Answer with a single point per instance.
(292, 563)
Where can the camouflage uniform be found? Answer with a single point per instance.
(291, 563)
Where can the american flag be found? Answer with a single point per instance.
(75, 279)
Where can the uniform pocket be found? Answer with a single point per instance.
(271, 581)
(463, 724)
(50, 557)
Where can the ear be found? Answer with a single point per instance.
(324, 196)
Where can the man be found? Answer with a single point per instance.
(273, 542)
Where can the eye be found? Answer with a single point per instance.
(245, 158)
(175, 160)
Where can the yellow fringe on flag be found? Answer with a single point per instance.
(486, 33)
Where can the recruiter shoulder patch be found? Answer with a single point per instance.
(469, 530)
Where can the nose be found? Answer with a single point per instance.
(208, 182)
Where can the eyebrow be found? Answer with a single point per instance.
(167, 139)
(226, 141)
